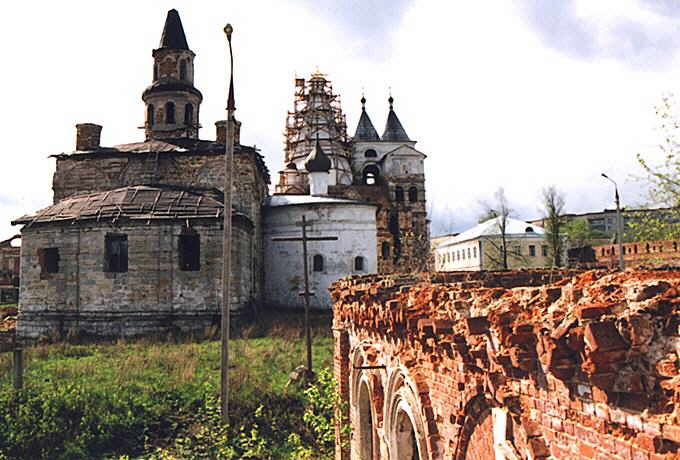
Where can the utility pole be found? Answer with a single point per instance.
(619, 222)
(307, 293)
(226, 241)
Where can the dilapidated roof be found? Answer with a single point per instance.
(171, 146)
(139, 202)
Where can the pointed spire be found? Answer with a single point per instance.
(394, 132)
(317, 161)
(365, 129)
(173, 33)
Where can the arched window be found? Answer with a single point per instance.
(385, 249)
(370, 153)
(317, 263)
(188, 114)
(398, 194)
(371, 175)
(155, 72)
(359, 263)
(529, 230)
(413, 194)
(183, 69)
(170, 113)
(366, 428)
(149, 115)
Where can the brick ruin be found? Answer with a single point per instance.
(509, 365)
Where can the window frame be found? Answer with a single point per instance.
(189, 258)
(318, 263)
(116, 263)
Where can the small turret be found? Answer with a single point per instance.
(318, 165)
(394, 132)
(365, 130)
(172, 101)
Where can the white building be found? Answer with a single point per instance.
(479, 248)
(354, 251)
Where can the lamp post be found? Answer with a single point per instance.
(619, 221)
(226, 241)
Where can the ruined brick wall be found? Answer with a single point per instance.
(524, 364)
(641, 252)
(154, 295)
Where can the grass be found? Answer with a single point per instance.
(135, 397)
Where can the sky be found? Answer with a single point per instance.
(519, 95)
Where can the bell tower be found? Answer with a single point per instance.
(172, 102)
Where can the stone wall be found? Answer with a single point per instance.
(101, 171)
(154, 295)
(524, 364)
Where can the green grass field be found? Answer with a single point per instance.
(152, 399)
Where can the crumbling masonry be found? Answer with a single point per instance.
(525, 364)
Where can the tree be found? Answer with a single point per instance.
(553, 203)
(662, 180)
(499, 210)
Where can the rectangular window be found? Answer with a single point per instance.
(189, 252)
(532, 250)
(49, 260)
(116, 255)
(544, 251)
(474, 252)
(517, 250)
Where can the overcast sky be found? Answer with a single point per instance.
(520, 94)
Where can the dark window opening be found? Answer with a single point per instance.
(529, 230)
(385, 250)
(116, 255)
(370, 153)
(317, 263)
(155, 72)
(371, 175)
(359, 263)
(183, 69)
(189, 252)
(49, 260)
(149, 115)
(532, 250)
(188, 114)
(393, 227)
(170, 113)
(544, 251)
(413, 194)
(399, 194)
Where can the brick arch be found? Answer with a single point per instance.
(373, 381)
(476, 438)
(402, 397)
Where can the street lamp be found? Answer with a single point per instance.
(226, 241)
(619, 221)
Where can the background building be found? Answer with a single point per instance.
(480, 248)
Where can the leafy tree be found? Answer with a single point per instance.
(662, 180)
(553, 203)
(579, 233)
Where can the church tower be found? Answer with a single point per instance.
(172, 102)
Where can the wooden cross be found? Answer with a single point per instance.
(306, 293)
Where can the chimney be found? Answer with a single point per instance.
(88, 136)
(222, 132)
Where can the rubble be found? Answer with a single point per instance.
(580, 361)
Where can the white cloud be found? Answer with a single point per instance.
(488, 100)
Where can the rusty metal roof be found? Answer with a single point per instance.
(139, 202)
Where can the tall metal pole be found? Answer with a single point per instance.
(619, 222)
(308, 334)
(226, 241)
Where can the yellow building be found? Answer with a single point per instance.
(481, 247)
